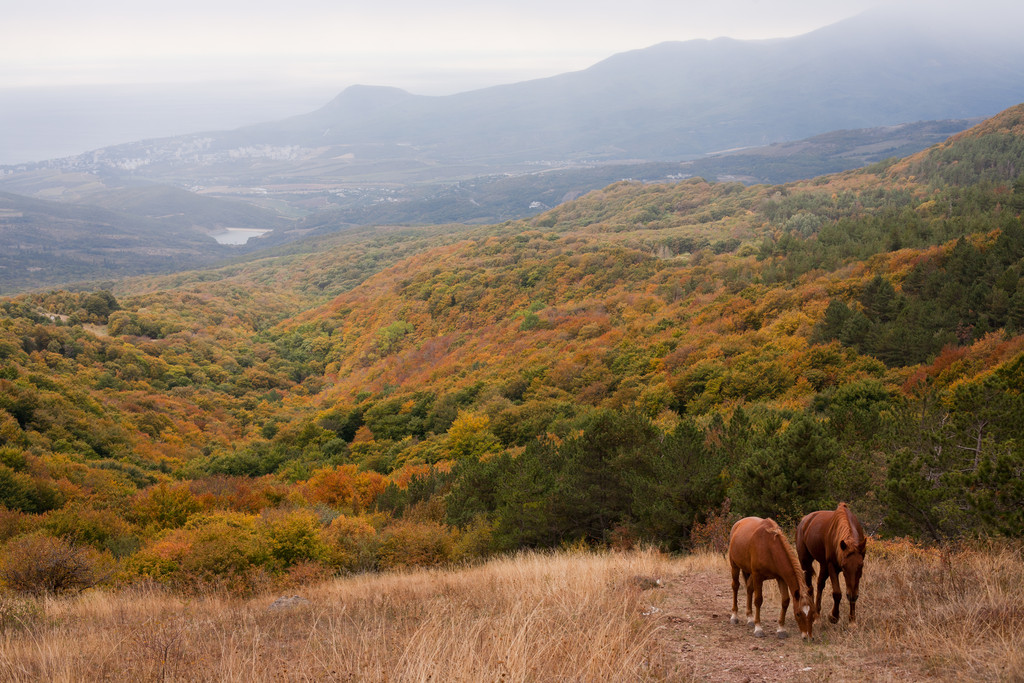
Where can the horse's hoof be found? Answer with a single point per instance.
(733, 620)
(832, 619)
(782, 634)
(759, 634)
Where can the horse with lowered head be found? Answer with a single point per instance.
(759, 549)
(836, 540)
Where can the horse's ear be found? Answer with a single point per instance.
(842, 544)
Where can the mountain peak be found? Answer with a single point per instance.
(369, 96)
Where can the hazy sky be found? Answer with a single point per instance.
(427, 47)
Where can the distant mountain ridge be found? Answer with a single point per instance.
(682, 99)
(850, 94)
(672, 101)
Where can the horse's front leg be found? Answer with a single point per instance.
(758, 599)
(784, 592)
(837, 595)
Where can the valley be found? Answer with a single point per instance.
(785, 110)
(319, 399)
(840, 333)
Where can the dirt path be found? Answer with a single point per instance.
(694, 608)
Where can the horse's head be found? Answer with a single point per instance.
(805, 612)
(851, 560)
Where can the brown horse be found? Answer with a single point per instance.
(758, 548)
(836, 540)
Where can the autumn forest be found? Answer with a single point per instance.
(632, 368)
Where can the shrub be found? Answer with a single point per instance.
(344, 487)
(101, 529)
(19, 491)
(415, 544)
(15, 523)
(39, 564)
(222, 545)
(304, 574)
(160, 560)
(352, 544)
(164, 507)
(712, 535)
(474, 542)
(292, 537)
(219, 551)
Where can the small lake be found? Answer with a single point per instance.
(237, 235)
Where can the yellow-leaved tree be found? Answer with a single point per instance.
(470, 436)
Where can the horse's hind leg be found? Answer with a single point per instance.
(784, 592)
(735, 590)
(806, 563)
(750, 597)
(822, 578)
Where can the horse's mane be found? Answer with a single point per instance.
(790, 553)
(845, 525)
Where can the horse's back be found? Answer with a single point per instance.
(743, 530)
(811, 534)
(742, 539)
(819, 532)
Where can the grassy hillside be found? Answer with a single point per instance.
(629, 367)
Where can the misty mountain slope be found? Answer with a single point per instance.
(672, 101)
(501, 197)
(186, 209)
(43, 243)
(162, 211)
(678, 100)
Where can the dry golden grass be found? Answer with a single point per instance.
(924, 614)
(528, 617)
(952, 614)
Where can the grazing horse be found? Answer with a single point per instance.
(758, 548)
(836, 540)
